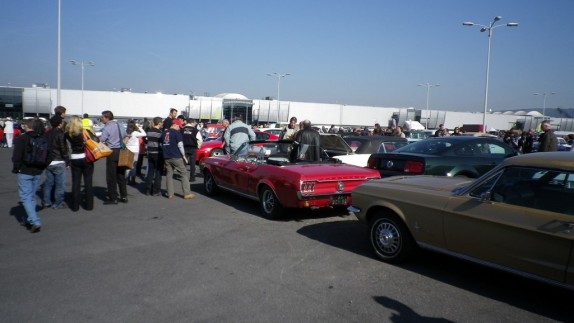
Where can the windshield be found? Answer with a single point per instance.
(428, 147)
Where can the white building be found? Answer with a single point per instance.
(41, 101)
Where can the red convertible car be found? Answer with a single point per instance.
(266, 171)
(215, 147)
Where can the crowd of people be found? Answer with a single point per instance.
(170, 146)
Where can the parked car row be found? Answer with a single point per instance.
(488, 205)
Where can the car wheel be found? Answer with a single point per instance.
(390, 238)
(269, 204)
(209, 183)
(216, 152)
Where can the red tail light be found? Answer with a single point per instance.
(414, 167)
(371, 163)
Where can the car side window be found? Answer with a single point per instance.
(536, 188)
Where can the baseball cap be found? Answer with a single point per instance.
(178, 122)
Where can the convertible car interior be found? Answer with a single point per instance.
(280, 153)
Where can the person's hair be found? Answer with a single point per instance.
(157, 120)
(293, 119)
(189, 120)
(74, 126)
(307, 123)
(172, 110)
(55, 121)
(108, 114)
(86, 115)
(181, 116)
(59, 110)
(38, 126)
(132, 126)
(29, 123)
(224, 121)
(238, 116)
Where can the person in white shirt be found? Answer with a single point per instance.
(133, 144)
(9, 131)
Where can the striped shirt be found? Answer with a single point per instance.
(153, 142)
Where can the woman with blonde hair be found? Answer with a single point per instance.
(80, 167)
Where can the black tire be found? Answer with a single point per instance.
(391, 238)
(269, 204)
(216, 152)
(209, 184)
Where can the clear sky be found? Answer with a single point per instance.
(354, 52)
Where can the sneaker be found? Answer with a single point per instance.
(35, 228)
(124, 199)
(189, 196)
(60, 207)
(170, 197)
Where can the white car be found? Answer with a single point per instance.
(364, 146)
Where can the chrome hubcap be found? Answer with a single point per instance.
(387, 238)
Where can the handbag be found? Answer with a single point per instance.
(126, 158)
(89, 156)
(98, 149)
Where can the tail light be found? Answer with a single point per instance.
(307, 187)
(413, 167)
(371, 163)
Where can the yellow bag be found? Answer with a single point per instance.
(98, 149)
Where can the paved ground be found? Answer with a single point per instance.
(216, 260)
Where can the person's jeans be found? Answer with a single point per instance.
(27, 186)
(177, 165)
(55, 177)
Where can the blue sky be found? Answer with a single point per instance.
(350, 52)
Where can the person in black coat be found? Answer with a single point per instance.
(308, 141)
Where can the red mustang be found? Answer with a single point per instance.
(266, 171)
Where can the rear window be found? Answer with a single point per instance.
(428, 147)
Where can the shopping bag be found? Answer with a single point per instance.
(98, 149)
(126, 158)
(89, 155)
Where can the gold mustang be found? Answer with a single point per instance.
(518, 217)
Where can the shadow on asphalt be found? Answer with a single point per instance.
(246, 205)
(536, 297)
(405, 313)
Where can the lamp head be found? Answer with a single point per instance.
(497, 18)
(468, 23)
(512, 24)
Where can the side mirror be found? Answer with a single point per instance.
(486, 197)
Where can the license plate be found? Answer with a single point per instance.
(340, 200)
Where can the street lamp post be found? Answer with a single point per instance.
(488, 28)
(279, 77)
(428, 86)
(544, 103)
(82, 64)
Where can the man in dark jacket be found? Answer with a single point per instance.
(192, 140)
(59, 158)
(309, 143)
(28, 175)
(548, 140)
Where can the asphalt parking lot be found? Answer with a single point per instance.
(217, 260)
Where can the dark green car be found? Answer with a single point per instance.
(445, 156)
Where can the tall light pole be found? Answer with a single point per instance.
(488, 28)
(428, 86)
(544, 103)
(82, 64)
(59, 88)
(279, 77)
